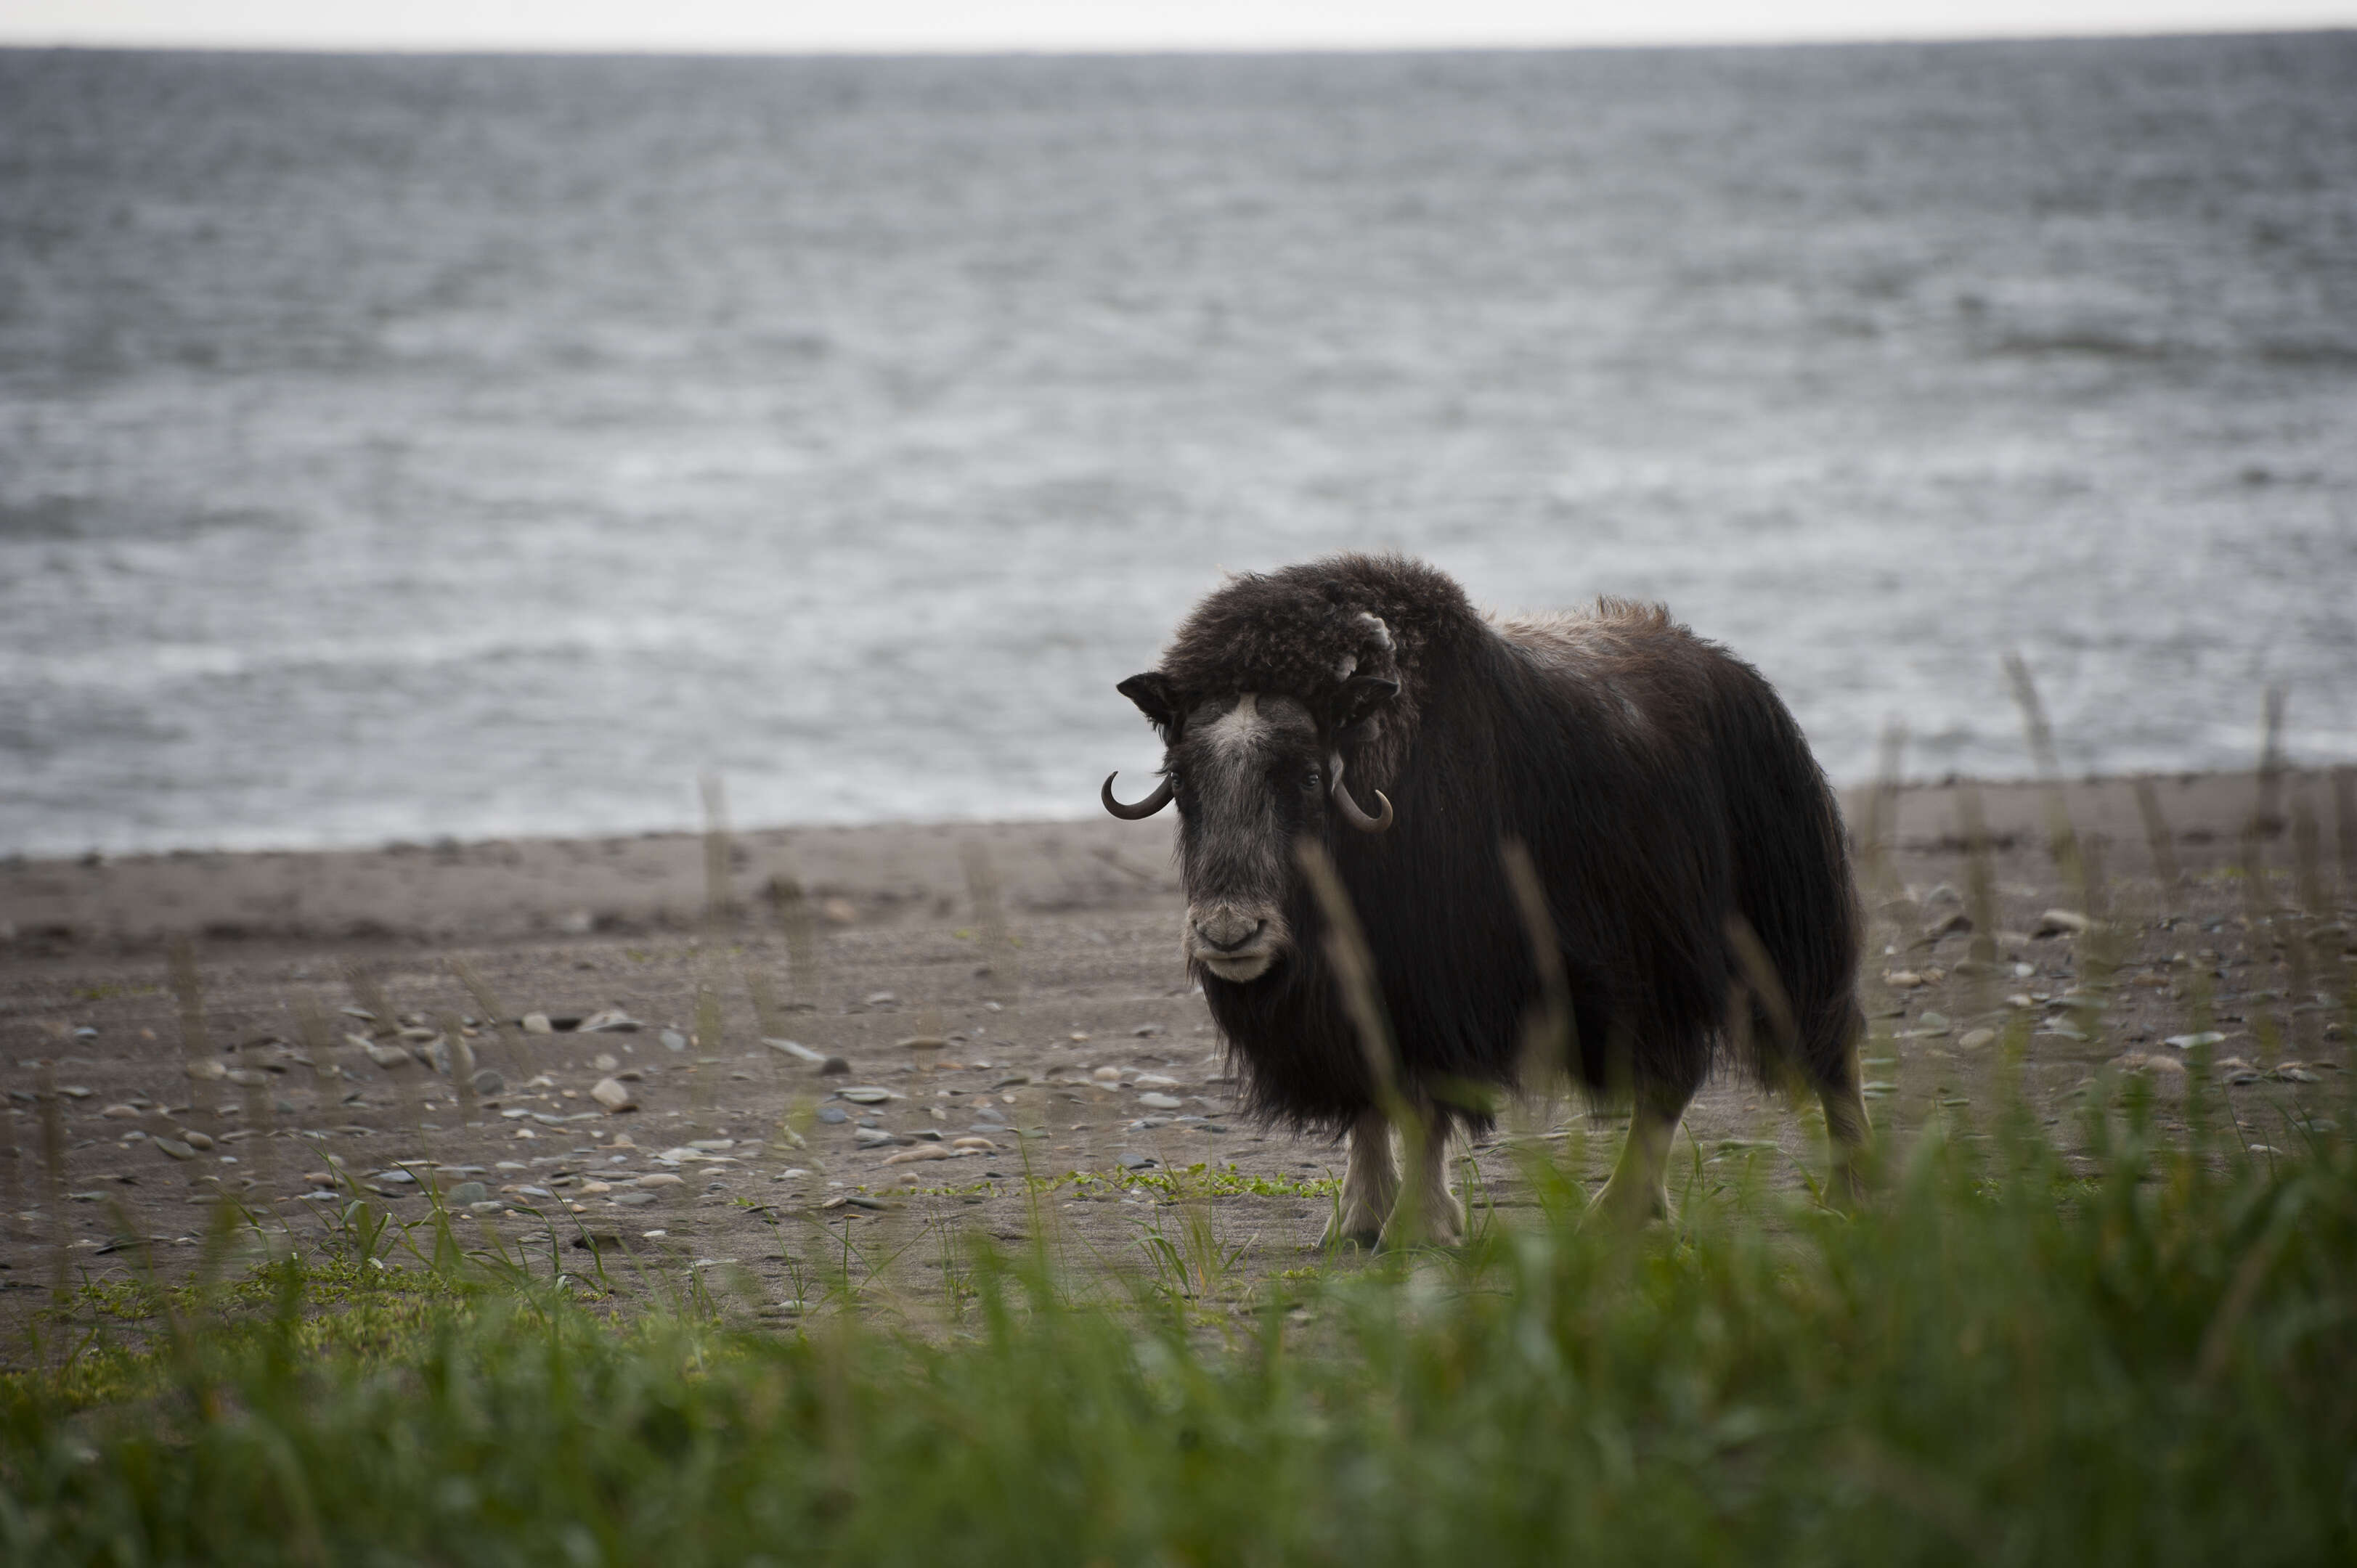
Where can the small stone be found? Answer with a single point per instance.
(611, 1021)
(1975, 1039)
(469, 1192)
(596, 1188)
(873, 1137)
(1130, 1161)
(245, 1078)
(867, 1094)
(973, 1143)
(633, 1199)
(2060, 923)
(672, 1041)
(795, 1048)
(833, 1115)
(397, 1177)
(1145, 1031)
(121, 1113)
(659, 1178)
(319, 1178)
(1160, 1102)
(1902, 979)
(1154, 1080)
(487, 1081)
(207, 1069)
(2194, 1042)
(838, 912)
(924, 1152)
(388, 1057)
(1107, 1075)
(538, 1024)
(834, 1067)
(614, 1095)
(176, 1149)
(197, 1140)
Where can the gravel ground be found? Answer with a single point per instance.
(1019, 1015)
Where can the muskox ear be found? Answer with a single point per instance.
(1155, 697)
(1362, 695)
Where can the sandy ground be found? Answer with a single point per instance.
(1043, 959)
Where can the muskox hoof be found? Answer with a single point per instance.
(1630, 1205)
(1442, 1225)
(1363, 1237)
(1846, 1187)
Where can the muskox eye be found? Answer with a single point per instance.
(1311, 780)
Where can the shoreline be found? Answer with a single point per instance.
(1047, 1025)
(885, 875)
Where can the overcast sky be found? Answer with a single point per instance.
(791, 25)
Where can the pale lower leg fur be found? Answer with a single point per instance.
(1639, 1189)
(1849, 1132)
(1370, 1183)
(1427, 1212)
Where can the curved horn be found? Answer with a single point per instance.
(1146, 808)
(1350, 807)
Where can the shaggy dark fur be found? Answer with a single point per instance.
(1659, 782)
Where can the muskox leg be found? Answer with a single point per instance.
(1370, 1184)
(1637, 1190)
(1846, 1127)
(1427, 1212)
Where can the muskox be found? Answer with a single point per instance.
(1692, 857)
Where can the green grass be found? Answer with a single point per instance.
(2001, 1362)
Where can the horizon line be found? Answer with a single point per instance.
(1141, 48)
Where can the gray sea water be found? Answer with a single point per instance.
(393, 449)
